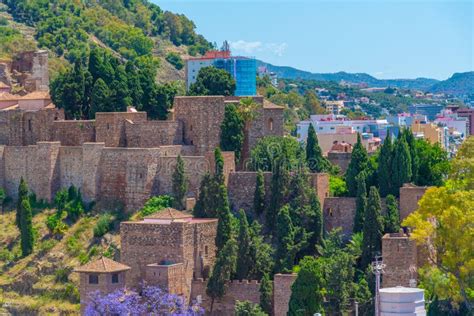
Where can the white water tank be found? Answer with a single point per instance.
(399, 300)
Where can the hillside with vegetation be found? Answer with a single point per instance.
(459, 84)
(297, 74)
(130, 30)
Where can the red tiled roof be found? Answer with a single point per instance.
(169, 213)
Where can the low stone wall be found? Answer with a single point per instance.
(73, 133)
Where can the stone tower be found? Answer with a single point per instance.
(104, 275)
(399, 254)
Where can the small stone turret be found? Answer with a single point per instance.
(104, 275)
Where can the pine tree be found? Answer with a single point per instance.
(244, 260)
(385, 166)
(314, 155)
(358, 163)
(279, 184)
(307, 291)
(180, 184)
(401, 166)
(100, 99)
(259, 195)
(222, 271)
(26, 228)
(266, 291)
(361, 202)
(22, 194)
(224, 225)
(232, 131)
(373, 228)
(392, 218)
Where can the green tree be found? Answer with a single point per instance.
(175, 59)
(312, 103)
(278, 187)
(361, 202)
(266, 291)
(385, 166)
(392, 218)
(219, 165)
(232, 131)
(247, 308)
(3, 197)
(100, 100)
(411, 142)
(206, 204)
(259, 195)
(26, 228)
(358, 163)
(289, 239)
(213, 81)
(372, 229)
(180, 184)
(261, 253)
(22, 195)
(244, 259)
(433, 165)
(222, 271)
(272, 149)
(401, 166)
(307, 291)
(314, 155)
(224, 225)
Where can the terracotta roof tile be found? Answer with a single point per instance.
(102, 265)
(36, 95)
(9, 97)
(169, 213)
(269, 105)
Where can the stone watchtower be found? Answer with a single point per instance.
(104, 275)
(399, 254)
(168, 249)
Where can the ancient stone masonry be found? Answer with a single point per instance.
(30, 69)
(242, 188)
(186, 246)
(399, 254)
(409, 197)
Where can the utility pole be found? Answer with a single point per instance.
(377, 269)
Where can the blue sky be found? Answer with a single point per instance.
(387, 39)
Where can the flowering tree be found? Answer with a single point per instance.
(153, 301)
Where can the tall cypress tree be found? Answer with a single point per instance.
(224, 225)
(244, 260)
(279, 184)
(22, 194)
(373, 228)
(205, 205)
(401, 166)
(385, 166)
(222, 271)
(259, 195)
(361, 202)
(287, 246)
(392, 218)
(316, 221)
(219, 165)
(100, 99)
(314, 155)
(180, 184)
(26, 228)
(266, 291)
(358, 163)
(411, 142)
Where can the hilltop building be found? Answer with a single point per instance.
(430, 110)
(242, 69)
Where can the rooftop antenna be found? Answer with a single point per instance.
(377, 269)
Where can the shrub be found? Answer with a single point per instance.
(104, 224)
(47, 245)
(6, 255)
(155, 204)
(61, 275)
(175, 60)
(72, 293)
(73, 246)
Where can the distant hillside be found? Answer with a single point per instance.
(459, 83)
(293, 73)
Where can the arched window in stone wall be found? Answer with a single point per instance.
(270, 124)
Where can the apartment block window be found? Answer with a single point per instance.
(93, 279)
(115, 278)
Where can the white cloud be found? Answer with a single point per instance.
(254, 47)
